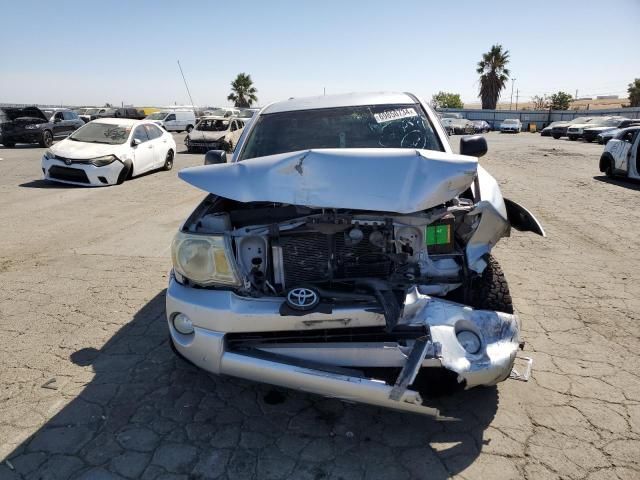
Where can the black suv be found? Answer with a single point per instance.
(120, 113)
(32, 125)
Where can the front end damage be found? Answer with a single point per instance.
(330, 297)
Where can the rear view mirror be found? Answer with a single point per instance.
(474, 146)
(215, 156)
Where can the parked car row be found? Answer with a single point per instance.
(588, 128)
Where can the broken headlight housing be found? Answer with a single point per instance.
(205, 260)
(102, 161)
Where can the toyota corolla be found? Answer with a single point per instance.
(344, 250)
(109, 151)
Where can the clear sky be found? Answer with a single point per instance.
(92, 52)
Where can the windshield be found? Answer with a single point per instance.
(102, 133)
(157, 116)
(245, 114)
(48, 113)
(374, 126)
(212, 125)
(509, 121)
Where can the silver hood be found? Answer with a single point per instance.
(382, 179)
(201, 135)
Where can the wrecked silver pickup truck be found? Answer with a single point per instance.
(344, 250)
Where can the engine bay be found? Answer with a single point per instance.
(346, 255)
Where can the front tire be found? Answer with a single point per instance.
(47, 139)
(168, 161)
(9, 144)
(125, 173)
(557, 137)
(490, 291)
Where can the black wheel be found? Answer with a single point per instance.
(189, 128)
(189, 149)
(125, 173)
(9, 144)
(573, 139)
(168, 161)
(608, 169)
(47, 139)
(490, 291)
(556, 137)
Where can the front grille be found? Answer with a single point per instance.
(68, 174)
(315, 257)
(71, 160)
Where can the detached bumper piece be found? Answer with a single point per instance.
(341, 353)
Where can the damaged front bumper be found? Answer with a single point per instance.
(317, 362)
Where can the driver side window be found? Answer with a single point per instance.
(170, 117)
(140, 134)
(628, 137)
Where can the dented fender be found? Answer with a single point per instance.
(522, 219)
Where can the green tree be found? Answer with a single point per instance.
(243, 93)
(560, 101)
(494, 75)
(446, 100)
(634, 93)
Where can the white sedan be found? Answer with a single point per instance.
(511, 125)
(109, 151)
(621, 155)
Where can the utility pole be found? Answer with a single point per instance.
(576, 97)
(185, 84)
(324, 90)
(513, 80)
(517, 95)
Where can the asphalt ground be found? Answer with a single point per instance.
(89, 387)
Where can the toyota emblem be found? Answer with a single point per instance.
(301, 298)
(67, 161)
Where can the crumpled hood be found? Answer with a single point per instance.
(200, 135)
(382, 179)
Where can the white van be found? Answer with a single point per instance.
(174, 120)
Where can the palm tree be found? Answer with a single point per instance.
(494, 75)
(243, 93)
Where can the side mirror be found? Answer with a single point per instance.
(215, 156)
(474, 146)
(135, 142)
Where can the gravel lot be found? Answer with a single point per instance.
(89, 387)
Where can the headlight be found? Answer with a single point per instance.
(469, 341)
(49, 155)
(204, 259)
(102, 161)
(33, 126)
